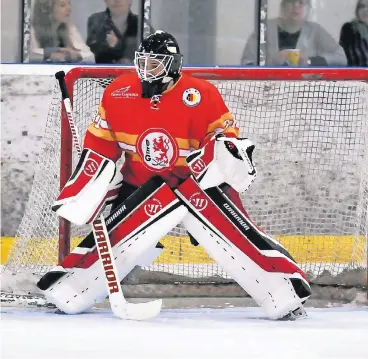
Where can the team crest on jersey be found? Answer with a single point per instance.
(191, 97)
(157, 149)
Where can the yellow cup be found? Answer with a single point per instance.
(294, 57)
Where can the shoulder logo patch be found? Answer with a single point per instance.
(191, 97)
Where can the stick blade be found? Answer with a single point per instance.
(137, 311)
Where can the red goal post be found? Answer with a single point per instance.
(219, 74)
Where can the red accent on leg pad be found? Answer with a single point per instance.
(213, 214)
(71, 260)
(83, 174)
(235, 198)
(143, 213)
(201, 162)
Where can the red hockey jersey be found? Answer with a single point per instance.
(156, 134)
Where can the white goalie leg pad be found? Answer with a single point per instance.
(148, 258)
(84, 285)
(94, 181)
(273, 290)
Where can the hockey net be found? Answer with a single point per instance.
(310, 128)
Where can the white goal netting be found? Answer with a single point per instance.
(311, 191)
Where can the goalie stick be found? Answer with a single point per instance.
(119, 305)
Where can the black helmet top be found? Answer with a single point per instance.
(158, 62)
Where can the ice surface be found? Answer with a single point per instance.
(185, 333)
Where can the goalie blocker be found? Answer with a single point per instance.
(94, 183)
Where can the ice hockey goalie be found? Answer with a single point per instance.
(184, 162)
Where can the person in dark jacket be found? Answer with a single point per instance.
(354, 36)
(112, 34)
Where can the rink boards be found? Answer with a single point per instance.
(179, 250)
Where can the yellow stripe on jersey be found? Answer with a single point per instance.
(126, 138)
(181, 162)
(102, 112)
(135, 157)
(232, 130)
(101, 133)
(224, 122)
(131, 140)
(183, 143)
(193, 143)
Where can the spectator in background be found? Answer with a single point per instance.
(354, 36)
(292, 31)
(53, 37)
(112, 34)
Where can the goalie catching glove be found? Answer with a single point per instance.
(94, 183)
(224, 159)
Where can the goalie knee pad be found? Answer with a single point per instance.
(134, 227)
(256, 261)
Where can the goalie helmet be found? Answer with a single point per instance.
(158, 62)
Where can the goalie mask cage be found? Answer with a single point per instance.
(310, 128)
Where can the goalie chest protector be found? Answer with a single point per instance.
(157, 134)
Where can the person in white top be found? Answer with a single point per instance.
(54, 38)
(293, 31)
